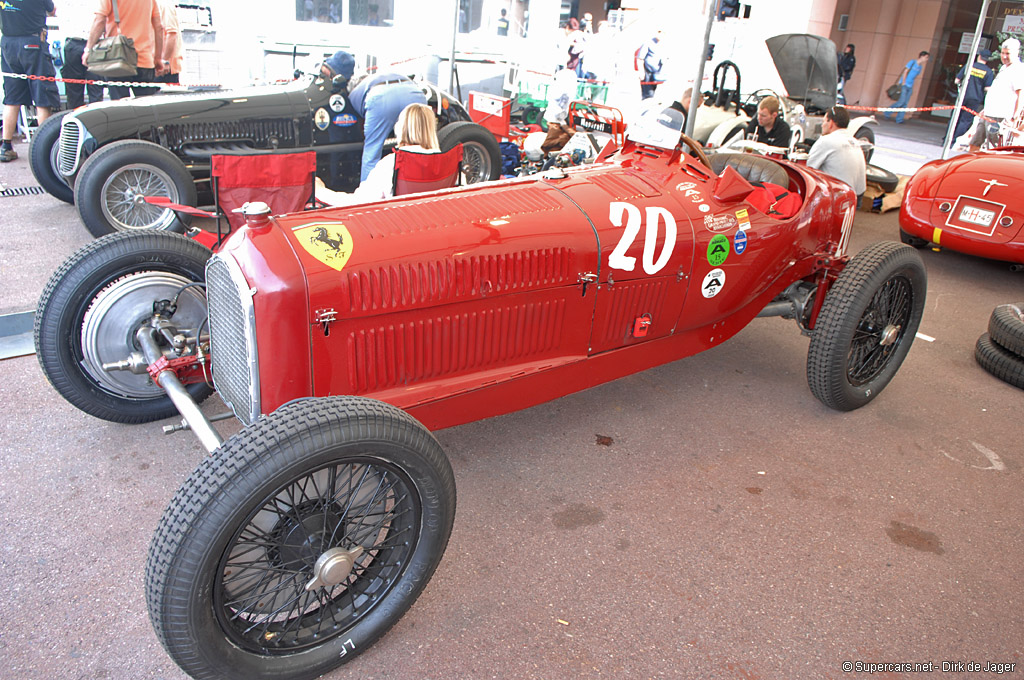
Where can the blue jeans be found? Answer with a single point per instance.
(902, 102)
(383, 104)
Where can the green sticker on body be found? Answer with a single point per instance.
(718, 249)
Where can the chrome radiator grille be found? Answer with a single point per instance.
(233, 338)
(69, 148)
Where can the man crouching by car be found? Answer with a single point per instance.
(837, 153)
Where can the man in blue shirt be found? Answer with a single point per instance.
(378, 99)
(910, 73)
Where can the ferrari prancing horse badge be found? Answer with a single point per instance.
(328, 242)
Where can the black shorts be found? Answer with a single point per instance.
(29, 56)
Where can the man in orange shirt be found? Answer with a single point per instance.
(140, 21)
(172, 57)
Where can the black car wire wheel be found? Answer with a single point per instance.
(300, 541)
(880, 330)
(866, 325)
(347, 528)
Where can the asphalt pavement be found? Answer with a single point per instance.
(705, 519)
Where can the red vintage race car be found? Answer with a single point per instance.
(341, 337)
(966, 204)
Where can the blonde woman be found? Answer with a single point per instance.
(416, 130)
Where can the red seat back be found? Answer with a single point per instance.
(416, 171)
(282, 181)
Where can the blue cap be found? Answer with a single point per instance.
(985, 54)
(341, 63)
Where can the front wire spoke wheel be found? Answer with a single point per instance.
(124, 192)
(300, 541)
(361, 510)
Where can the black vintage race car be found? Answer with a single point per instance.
(105, 157)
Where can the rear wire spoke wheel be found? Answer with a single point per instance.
(481, 155)
(300, 541)
(866, 325)
(111, 187)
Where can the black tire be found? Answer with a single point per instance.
(42, 158)
(90, 308)
(868, 135)
(866, 325)
(1006, 327)
(265, 500)
(912, 241)
(111, 180)
(883, 178)
(481, 155)
(531, 114)
(1004, 365)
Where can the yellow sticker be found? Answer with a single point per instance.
(328, 242)
(741, 214)
(937, 237)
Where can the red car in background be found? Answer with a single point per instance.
(969, 204)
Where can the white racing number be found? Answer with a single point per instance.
(346, 646)
(844, 238)
(618, 258)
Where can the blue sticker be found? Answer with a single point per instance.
(740, 242)
(345, 120)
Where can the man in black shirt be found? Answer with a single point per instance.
(979, 80)
(24, 51)
(766, 127)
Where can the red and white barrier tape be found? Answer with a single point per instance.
(919, 109)
(105, 83)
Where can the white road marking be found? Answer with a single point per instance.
(996, 463)
(926, 338)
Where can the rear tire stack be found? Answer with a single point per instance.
(1001, 350)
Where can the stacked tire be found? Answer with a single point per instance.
(1001, 350)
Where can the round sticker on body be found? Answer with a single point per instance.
(714, 282)
(740, 242)
(718, 249)
(337, 103)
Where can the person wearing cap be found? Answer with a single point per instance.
(837, 153)
(379, 99)
(341, 63)
(978, 82)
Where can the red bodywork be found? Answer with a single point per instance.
(473, 302)
(969, 204)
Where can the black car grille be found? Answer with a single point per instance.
(233, 338)
(70, 145)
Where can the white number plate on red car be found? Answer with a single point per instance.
(975, 215)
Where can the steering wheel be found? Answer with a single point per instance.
(696, 150)
(754, 98)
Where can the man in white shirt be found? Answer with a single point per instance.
(837, 153)
(1003, 99)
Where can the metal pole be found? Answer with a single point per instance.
(451, 64)
(967, 76)
(696, 97)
